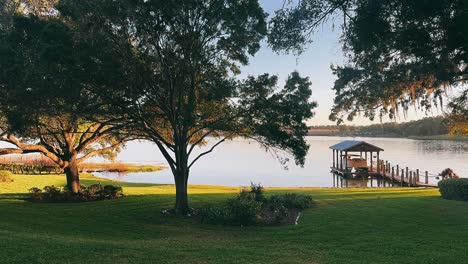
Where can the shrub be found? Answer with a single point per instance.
(284, 208)
(214, 215)
(5, 176)
(52, 193)
(112, 192)
(95, 192)
(94, 189)
(243, 209)
(454, 189)
(250, 207)
(274, 214)
(291, 201)
(36, 194)
(258, 191)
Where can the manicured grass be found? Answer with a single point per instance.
(345, 226)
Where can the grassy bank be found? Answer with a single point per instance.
(346, 226)
(118, 167)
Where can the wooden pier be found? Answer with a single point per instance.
(388, 177)
(356, 168)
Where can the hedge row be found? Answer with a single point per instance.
(454, 189)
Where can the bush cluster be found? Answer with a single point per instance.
(448, 173)
(291, 201)
(454, 189)
(244, 209)
(95, 192)
(5, 176)
(251, 207)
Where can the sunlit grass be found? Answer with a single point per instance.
(401, 225)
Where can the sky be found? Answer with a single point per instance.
(315, 63)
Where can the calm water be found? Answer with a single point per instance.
(239, 162)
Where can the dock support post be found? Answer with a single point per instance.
(411, 178)
(426, 180)
(333, 158)
(378, 162)
(346, 162)
(337, 159)
(341, 160)
(393, 176)
(402, 177)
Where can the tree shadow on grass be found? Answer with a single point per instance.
(13, 196)
(139, 217)
(90, 181)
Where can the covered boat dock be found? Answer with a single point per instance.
(358, 160)
(351, 154)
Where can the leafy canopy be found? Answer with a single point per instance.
(46, 103)
(187, 54)
(399, 52)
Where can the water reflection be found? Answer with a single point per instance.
(238, 162)
(441, 146)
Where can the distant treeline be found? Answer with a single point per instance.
(429, 126)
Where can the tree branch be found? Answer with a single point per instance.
(7, 151)
(100, 151)
(207, 152)
(198, 141)
(27, 148)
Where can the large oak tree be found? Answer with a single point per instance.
(48, 71)
(184, 91)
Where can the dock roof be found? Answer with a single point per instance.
(354, 145)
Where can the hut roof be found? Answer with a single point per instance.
(353, 145)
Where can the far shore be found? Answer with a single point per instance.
(435, 137)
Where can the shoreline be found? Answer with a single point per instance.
(435, 137)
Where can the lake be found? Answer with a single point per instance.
(239, 162)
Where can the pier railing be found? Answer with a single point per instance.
(407, 177)
(390, 175)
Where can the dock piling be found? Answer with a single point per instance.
(402, 177)
(393, 176)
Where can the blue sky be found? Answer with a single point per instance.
(314, 63)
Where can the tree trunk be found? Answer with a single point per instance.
(73, 176)
(181, 179)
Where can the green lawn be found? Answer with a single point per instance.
(346, 226)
